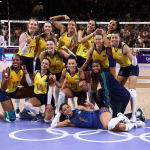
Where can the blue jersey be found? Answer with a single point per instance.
(113, 92)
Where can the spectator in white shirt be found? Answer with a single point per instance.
(2, 47)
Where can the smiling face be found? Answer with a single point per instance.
(45, 64)
(50, 46)
(71, 64)
(47, 28)
(96, 67)
(66, 110)
(33, 25)
(98, 40)
(16, 61)
(71, 26)
(91, 26)
(115, 38)
(112, 25)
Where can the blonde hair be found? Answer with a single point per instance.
(30, 21)
(74, 39)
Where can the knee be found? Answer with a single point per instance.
(27, 105)
(132, 93)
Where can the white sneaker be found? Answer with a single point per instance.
(5, 61)
(125, 120)
(133, 118)
(26, 115)
(138, 123)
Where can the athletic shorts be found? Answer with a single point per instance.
(80, 95)
(58, 75)
(129, 71)
(112, 61)
(43, 99)
(38, 64)
(28, 62)
(81, 61)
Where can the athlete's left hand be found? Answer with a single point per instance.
(64, 48)
(133, 51)
(102, 31)
(89, 104)
(49, 107)
(81, 84)
(24, 69)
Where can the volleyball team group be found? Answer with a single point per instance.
(75, 68)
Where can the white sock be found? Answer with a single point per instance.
(61, 99)
(17, 101)
(72, 103)
(41, 109)
(30, 107)
(57, 91)
(114, 121)
(24, 110)
(137, 114)
(133, 102)
(129, 126)
(90, 94)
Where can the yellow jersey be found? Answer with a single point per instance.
(102, 56)
(30, 51)
(121, 58)
(40, 83)
(73, 81)
(14, 79)
(65, 40)
(57, 64)
(83, 48)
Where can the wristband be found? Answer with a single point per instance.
(92, 34)
(5, 79)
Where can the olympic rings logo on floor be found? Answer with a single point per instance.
(63, 134)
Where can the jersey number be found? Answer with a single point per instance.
(32, 48)
(15, 84)
(73, 86)
(85, 48)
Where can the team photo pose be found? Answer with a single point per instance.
(43, 89)
(72, 83)
(84, 117)
(11, 78)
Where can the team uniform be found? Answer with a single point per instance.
(27, 59)
(13, 81)
(57, 64)
(73, 84)
(84, 119)
(41, 88)
(102, 56)
(112, 93)
(82, 52)
(127, 69)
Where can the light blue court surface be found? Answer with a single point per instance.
(24, 135)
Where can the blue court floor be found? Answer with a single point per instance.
(24, 135)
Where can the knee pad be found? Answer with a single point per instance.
(132, 93)
(61, 96)
(10, 116)
(27, 105)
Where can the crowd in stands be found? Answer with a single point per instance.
(100, 10)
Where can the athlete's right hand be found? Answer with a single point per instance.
(96, 31)
(54, 78)
(89, 104)
(66, 17)
(24, 69)
(28, 40)
(5, 74)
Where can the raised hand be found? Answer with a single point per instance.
(5, 74)
(133, 51)
(28, 40)
(54, 78)
(66, 17)
(24, 69)
(89, 104)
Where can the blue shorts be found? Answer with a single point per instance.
(10, 116)
(81, 61)
(112, 61)
(38, 64)
(28, 62)
(43, 99)
(129, 71)
(58, 75)
(80, 95)
(99, 124)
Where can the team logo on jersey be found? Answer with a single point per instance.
(79, 112)
(44, 81)
(92, 42)
(11, 77)
(120, 55)
(35, 42)
(104, 56)
(20, 76)
(76, 79)
(69, 41)
(57, 59)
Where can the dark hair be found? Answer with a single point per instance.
(62, 117)
(117, 23)
(17, 56)
(95, 22)
(48, 22)
(116, 32)
(72, 57)
(51, 39)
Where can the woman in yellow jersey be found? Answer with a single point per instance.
(11, 78)
(43, 87)
(57, 64)
(129, 68)
(86, 41)
(112, 26)
(41, 42)
(68, 35)
(73, 82)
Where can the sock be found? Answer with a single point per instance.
(90, 94)
(30, 107)
(41, 110)
(61, 99)
(24, 110)
(72, 103)
(129, 126)
(57, 91)
(137, 114)
(17, 101)
(133, 102)
(114, 121)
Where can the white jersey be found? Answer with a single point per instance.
(2, 42)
